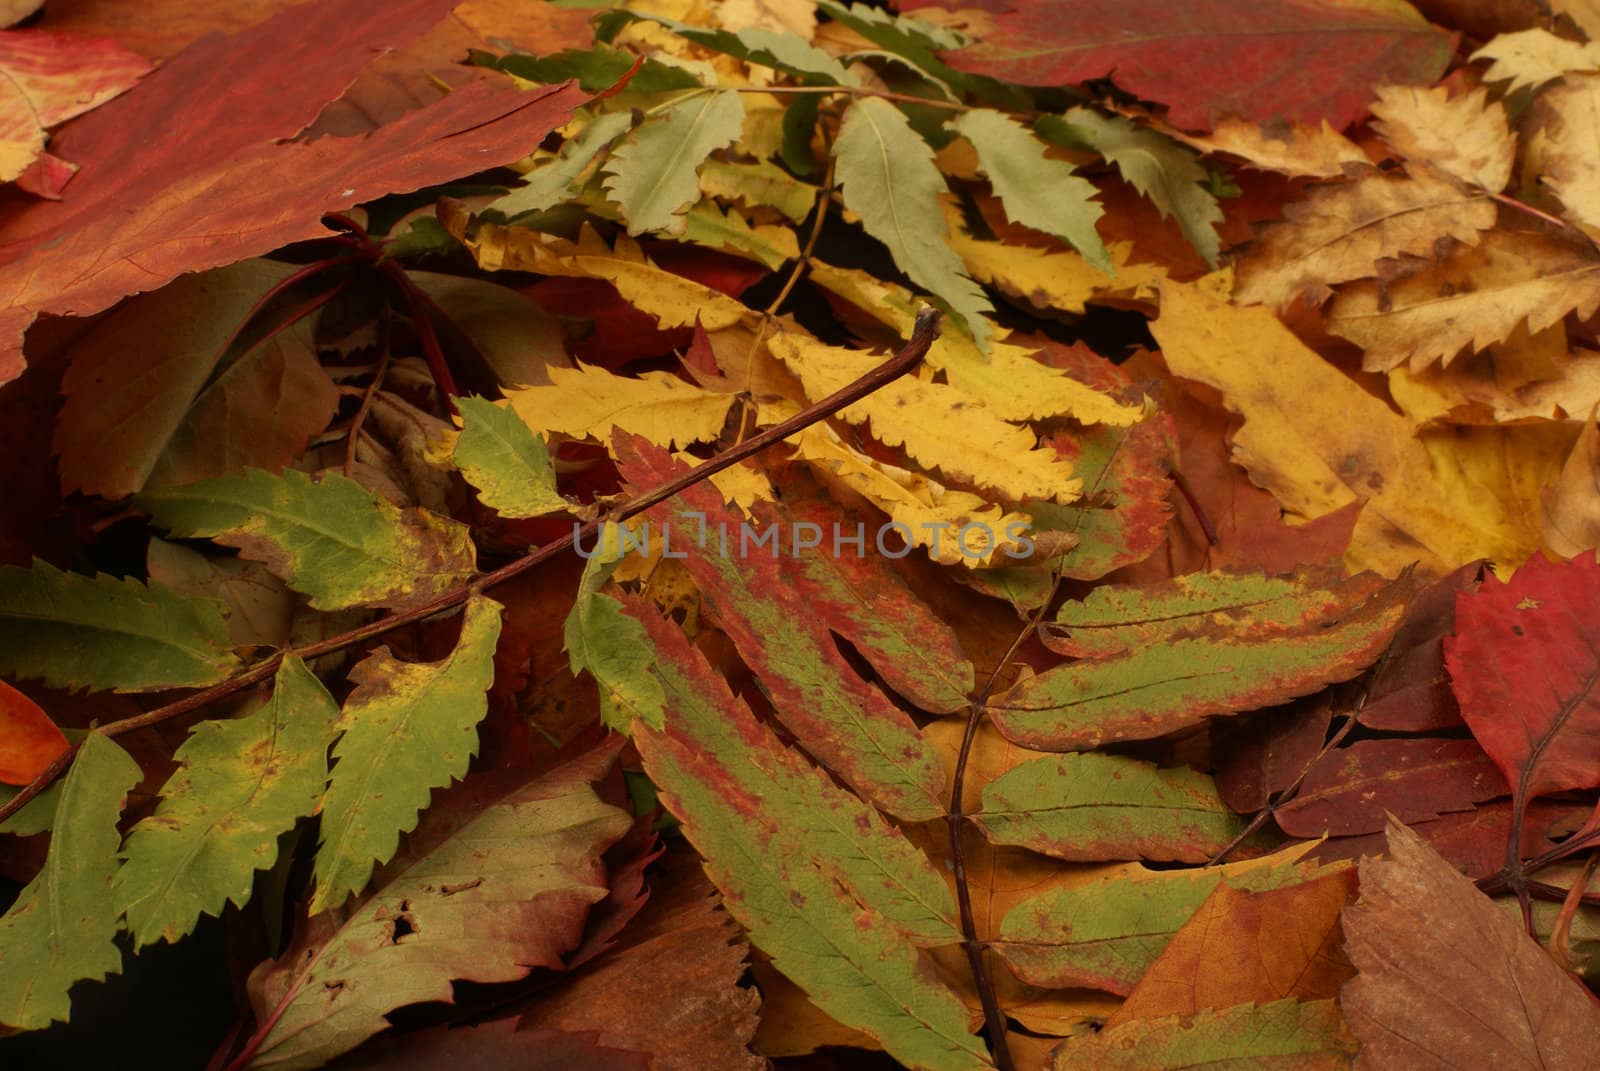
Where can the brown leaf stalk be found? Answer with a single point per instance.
(908, 357)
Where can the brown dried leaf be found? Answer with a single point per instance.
(1447, 980)
(1465, 137)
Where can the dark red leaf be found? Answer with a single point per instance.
(1350, 789)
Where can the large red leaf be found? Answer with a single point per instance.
(188, 171)
(1260, 59)
(1525, 665)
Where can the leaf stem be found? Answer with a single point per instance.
(909, 356)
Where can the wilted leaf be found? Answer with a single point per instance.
(1477, 297)
(324, 535)
(29, 740)
(243, 784)
(62, 927)
(73, 631)
(1524, 663)
(407, 728)
(486, 896)
(1448, 980)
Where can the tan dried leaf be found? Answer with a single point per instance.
(1341, 231)
(1571, 507)
(1285, 147)
(1534, 57)
(1466, 137)
(1569, 145)
(1476, 297)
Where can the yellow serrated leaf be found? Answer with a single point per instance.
(930, 514)
(1056, 279)
(1534, 57)
(1465, 137)
(740, 485)
(590, 402)
(935, 424)
(1008, 381)
(1288, 148)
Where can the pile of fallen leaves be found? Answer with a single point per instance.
(473, 595)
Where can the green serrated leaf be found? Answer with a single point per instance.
(1105, 935)
(551, 183)
(241, 785)
(608, 643)
(1166, 172)
(73, 631)
(62, 929)
(652, 175)
(1093, 807)
(1283, 1034)
(325, 535)
(508, 464)
(843, 906)
(887, 176)
(408, 728)
(1211, 658)
(1036, 191)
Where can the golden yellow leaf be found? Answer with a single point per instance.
(1008, 381)
(589, 401)
(1476, 297)
(1317, 440)
(741, 485)
(1285, 147)
(1569, 146)
(1534, 57)
(935, 424)
(1466, 137)
(1570, 509)
(1492, 388)
(1341, 231)
(1062, 280)
(930, 514)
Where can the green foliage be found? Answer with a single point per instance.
(550, 183)
(1283, 1033)
(505, 461)
(609, 644)
(652, 173)
(1037, 192)
(74, 631)
(595, 69)
(326, 536)
(242, 784)
(407, 728)
(63, 926)
(887, 176)
(1158, 167)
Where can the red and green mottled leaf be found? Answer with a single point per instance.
(837, 896)
(326, 536)
(1198, 647)
(485, 893)
(1351, 789)
(1287, 1034)
(29, 740)
(408, 728)
(63, 926)
(1104, 935)
(1525, 666)
(1090, 807)
(243, 783)
(73, 631)
(1295, 59)
(846, 722)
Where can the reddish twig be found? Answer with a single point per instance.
(909, 356)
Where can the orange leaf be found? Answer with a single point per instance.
(29, 740)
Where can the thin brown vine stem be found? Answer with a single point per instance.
(1537, 213)
(366, 403)
(907, 358)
